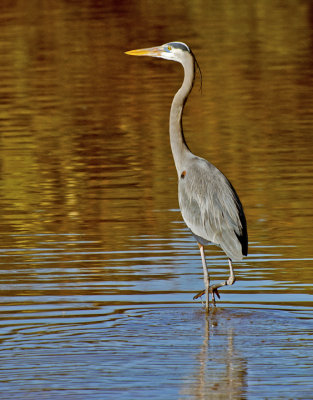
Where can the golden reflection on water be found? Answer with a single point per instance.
(88, 201)
(84, 141)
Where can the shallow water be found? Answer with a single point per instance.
(97, 269)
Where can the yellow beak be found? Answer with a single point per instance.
(151, 51)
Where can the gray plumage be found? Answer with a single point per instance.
(209, 204)
(211, 208)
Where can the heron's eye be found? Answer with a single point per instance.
(169, 48)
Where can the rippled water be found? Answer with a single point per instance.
(97, 269)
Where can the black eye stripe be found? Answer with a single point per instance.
(179, 45)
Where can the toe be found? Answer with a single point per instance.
(199, 294)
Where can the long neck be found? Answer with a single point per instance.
(178, 144)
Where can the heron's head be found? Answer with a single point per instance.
(175, 51)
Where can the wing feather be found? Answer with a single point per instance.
(211, 208)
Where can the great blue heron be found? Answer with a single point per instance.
(208, 202)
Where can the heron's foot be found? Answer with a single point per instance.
(213, 290)
(200, 294)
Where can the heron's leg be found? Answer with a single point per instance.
(230, 281)
(206, 276)
(213, 288)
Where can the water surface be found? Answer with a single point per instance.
(97, 268)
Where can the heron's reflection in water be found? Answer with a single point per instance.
(222, 371)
